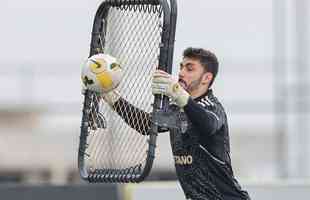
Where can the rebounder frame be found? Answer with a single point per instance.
(160, 103)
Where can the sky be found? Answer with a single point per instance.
(60, 30)
(51, 37)
(49, 41)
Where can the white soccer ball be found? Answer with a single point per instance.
(101, 73)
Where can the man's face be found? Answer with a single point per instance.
(192, 75)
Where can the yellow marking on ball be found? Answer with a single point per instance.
(105, 80)
(98, 65)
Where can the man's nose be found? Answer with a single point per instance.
(181, 73)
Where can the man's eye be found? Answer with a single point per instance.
(181, 66)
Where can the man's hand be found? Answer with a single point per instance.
(111, 97)
(164, 84)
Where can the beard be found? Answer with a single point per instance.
(192, 86)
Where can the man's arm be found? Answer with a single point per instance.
(206, 120)
(133, 116)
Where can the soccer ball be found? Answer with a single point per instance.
(101, 73)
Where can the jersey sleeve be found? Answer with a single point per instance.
(135, 117)
(207, 116)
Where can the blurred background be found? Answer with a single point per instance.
(263, 49)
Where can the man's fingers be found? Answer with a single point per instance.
(162, 82)
(159, 86)
(160, 76)
(160, 79)
(156, 91)
(155, 75)
(161, 73)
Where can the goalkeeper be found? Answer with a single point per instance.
(200, 144)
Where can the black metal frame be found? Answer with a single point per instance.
(160, 103)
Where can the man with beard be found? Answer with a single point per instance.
(200, 144)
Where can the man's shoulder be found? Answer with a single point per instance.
(209, 101)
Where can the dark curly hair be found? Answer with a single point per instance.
(207, 59)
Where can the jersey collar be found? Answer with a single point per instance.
(208, 93)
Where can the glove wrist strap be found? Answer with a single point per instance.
(111, 97)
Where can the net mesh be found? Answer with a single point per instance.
(133, 36)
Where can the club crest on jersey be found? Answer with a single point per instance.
(183, 123)
(184, 126)
(183, 160)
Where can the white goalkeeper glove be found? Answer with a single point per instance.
(111, 97)
(164, 84)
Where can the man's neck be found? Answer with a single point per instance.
(197, 93)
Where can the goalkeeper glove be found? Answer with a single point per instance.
(111, 97)
(164, 84)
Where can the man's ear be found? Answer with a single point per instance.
(206, 78)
